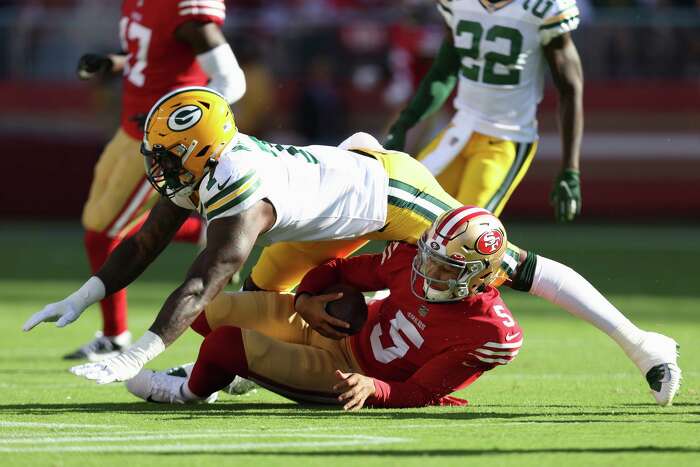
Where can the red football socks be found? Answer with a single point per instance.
(221, 358)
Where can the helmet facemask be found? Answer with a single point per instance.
(445, 279)
(164, 168)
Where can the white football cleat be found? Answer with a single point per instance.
(240, 386)
(159, 386)
(657, 359)
(237, 387)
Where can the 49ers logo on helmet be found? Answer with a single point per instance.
(489, 242)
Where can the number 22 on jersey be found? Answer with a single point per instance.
(135, 63)
(499, 68)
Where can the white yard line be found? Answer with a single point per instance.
(331, 441)
(165, 436)
(57, 425)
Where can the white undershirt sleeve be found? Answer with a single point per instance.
(225, 75)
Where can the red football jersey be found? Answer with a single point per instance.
(156, 61)
(418, 352)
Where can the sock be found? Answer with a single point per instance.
(98, 246)
(221, 357)
(561, 285)
(190, 231)
(200, 324)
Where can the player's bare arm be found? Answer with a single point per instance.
(124, 265)
(229, 242)
(134, 254)
(567, 73)
(202, 37)
(215, 56)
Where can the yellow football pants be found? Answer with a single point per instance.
(119, 195)
(486, 171)
(282, 352)
(415, 200)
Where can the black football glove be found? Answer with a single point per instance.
(139, 120)
(91, 64)
(566, 195)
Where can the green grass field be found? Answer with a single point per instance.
(570, 398)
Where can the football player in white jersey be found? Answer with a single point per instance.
(496, 53)
(253, 192)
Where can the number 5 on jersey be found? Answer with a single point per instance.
(400, 347)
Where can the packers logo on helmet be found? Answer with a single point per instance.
(184, 118)
(459, 255)
(186, 132)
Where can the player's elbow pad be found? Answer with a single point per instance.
(225, 75)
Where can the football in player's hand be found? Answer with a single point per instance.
(351, 307)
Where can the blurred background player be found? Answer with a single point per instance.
(497, 50)
(166, 45)
(442, 327)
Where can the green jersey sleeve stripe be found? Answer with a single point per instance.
(403, 204)
(230, 189)
(416, 192)
(235, 202)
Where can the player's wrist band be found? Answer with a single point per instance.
(526, 273)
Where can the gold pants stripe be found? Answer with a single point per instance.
(485, 171)
(119, 193)
(524, 155)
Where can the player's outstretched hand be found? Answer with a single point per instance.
(63, 313)
(119, 368)
(354, 389)
(126, 365)
(70, 308)
(313, 310)
(396, 138)
(91, 64)
(566, 195)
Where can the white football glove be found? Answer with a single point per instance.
(69, 309)
(124, 366)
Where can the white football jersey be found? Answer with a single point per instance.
(318, 192)
(502, 62)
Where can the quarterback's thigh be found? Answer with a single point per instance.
(270, 313)
(282, 266)
(119, 188)
(494, 169)
(298, 371)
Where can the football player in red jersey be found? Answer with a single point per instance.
(166, 45)
(440, 329)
